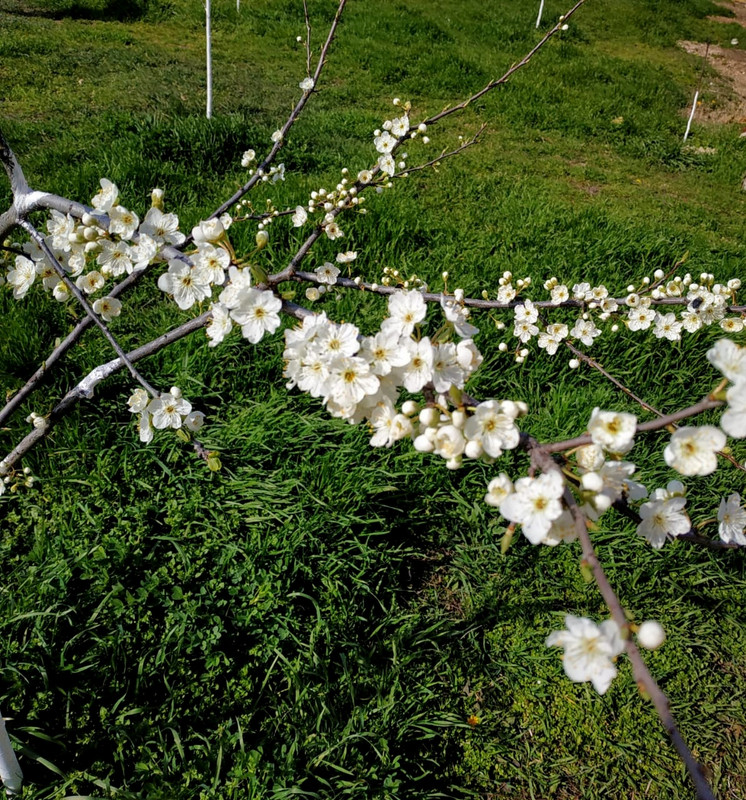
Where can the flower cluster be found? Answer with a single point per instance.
(704, 303)
(101, 246)
(361, 377)
(170, 410)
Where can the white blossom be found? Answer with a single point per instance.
(693, 451)
(107, 196)
(535, 504)
(661, 518)
(300, 216)
(22, 277)
(123, 222)
(498, 490)
(186, 283)
(168, 409)
(327, 273)
(208, 231)
(590, 650)
(406, 309)
(220, 324)
(107, 308)
(212, 263)
(667, 327)
(732, 519)
(163, 228)
(730, 359)
(115, 258)
(493, 427)
(733, 421)
(257, 314)
(612, 430)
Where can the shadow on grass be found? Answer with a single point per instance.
(106, 10)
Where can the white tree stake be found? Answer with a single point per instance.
(208, 36)
(541, 11)
(691, 115)
(10, 770)
(696, 94)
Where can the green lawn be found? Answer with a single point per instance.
(319, 619)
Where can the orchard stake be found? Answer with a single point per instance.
(208, 37)
(696, 93)
(541, 11)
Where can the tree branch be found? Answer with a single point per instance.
(39, 239)
(506, 77)
(541, 458)
(299, 106)
(33, 382)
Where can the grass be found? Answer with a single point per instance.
(319, 619)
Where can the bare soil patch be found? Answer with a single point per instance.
(728, 93)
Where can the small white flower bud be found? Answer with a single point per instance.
(423, 445)
(410, 407)
(473, 449)
(454, 463)
(651, 635)
(458, 419)
(602, 502)
(592, 482)
(659, 274)
(429, 416)
(262, 237)
(574, 363)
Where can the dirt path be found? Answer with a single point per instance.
(730, 63)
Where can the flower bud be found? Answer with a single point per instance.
(422, 444)
(592, 482)
(473, 449)
(651, 635)
(429, 416)
(262, 237)
(410, 408)
(458, 419)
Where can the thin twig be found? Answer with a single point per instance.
(308, 38)
(85, 388)
(474, 302)
(436, 161)
(261, 169)
(593, 363)
(504, 79)
(693, 535)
